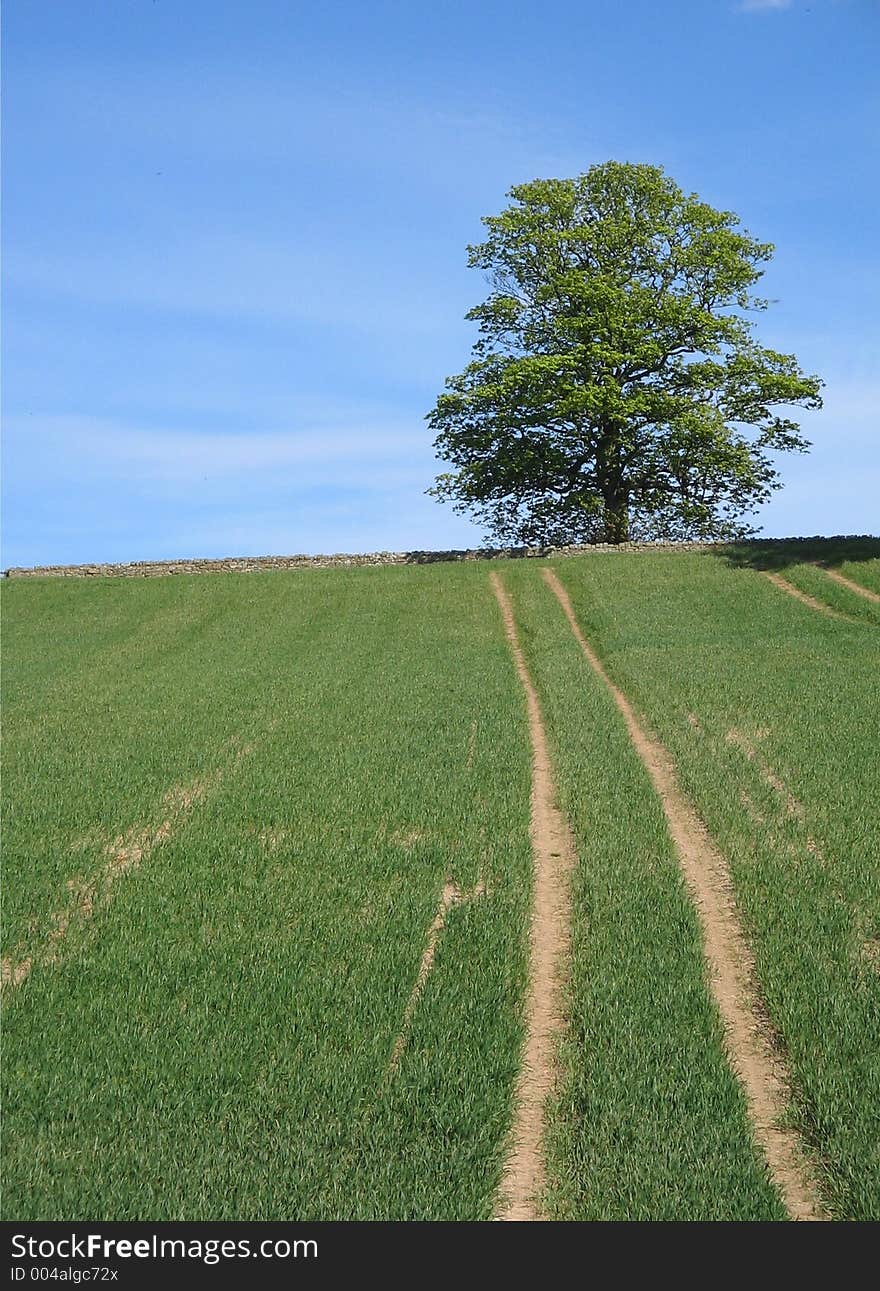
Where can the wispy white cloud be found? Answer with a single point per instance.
(240, 277)
(144, 455)
(756, 6)
(315, 526)
(95, 488)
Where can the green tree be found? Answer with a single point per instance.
(616, 390)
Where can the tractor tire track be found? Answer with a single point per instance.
(785, 586)
(554, 859)
(750, 1047)
(842, 579)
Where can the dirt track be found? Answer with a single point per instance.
(842, 579)
(554, 860)
(750, 1046)
(785, 586)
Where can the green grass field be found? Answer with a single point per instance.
(771, 712)
(231, 805)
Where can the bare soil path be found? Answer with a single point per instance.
(842, 579)
(785, 586)
(554, 860)
(750, 1045)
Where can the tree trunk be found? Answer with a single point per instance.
(616, 519)
(611, 478)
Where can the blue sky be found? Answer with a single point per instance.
(234, 234)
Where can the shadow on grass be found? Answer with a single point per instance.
(779, 553)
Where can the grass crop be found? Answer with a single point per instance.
(770, 710)
(650, 1123)
(816, 583)
(210, 1037)
(803, 562)
(231, 805)
(865, 572)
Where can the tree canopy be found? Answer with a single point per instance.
(616, 389)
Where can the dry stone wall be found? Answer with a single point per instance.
(260, 564)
